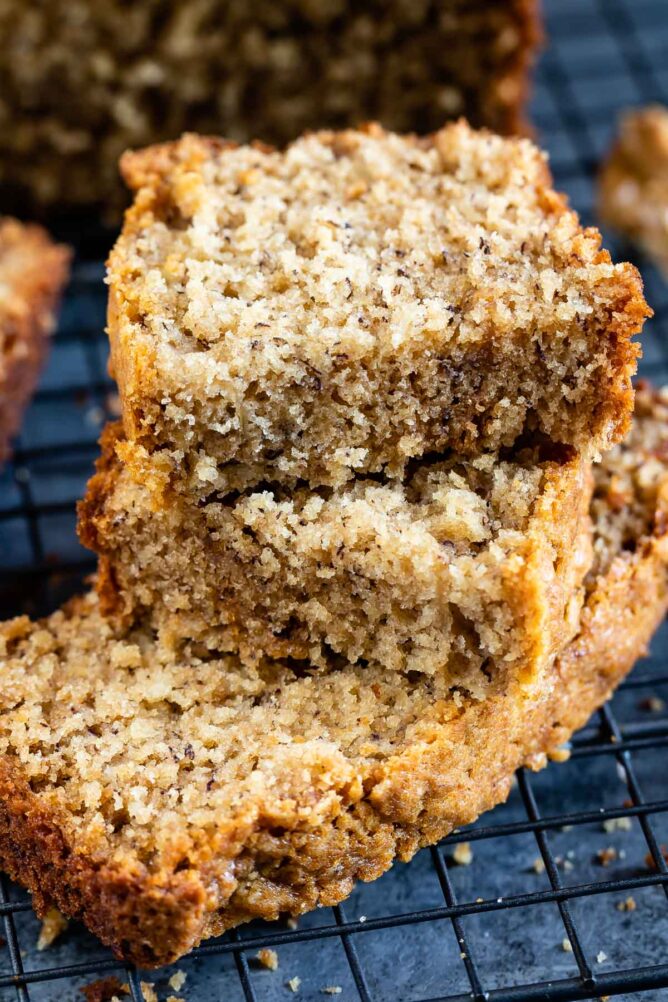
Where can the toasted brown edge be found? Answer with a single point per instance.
(26, 319)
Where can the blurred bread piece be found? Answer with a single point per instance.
(81, 81)
(33, 271)
(162, 794)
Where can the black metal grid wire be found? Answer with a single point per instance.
(532, 917)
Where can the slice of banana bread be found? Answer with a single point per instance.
(470, 569)
(33, 271)
(633, 186)
(77, 88)
(163, 795)
(358, 300)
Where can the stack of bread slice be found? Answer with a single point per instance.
(368, 538)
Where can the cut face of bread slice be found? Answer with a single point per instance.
(163, 795)
(633, 186)
(358, 300)
(245, 67)
(469, 569)
(33, 271)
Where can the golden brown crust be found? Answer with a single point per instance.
(33, 271)
(130, 911)
(469, 767)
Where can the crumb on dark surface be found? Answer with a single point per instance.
(463, 854)
(617, 825)
(104, 989)
(267, 958)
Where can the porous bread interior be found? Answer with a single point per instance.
(145, 72)
(358, 300)
(154, 751)
(469, 569)
(171, 756)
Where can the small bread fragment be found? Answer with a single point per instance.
(33, 271)
(359, 300)
(633, 185)
(163, 794)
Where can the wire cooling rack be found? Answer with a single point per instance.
(565, 893)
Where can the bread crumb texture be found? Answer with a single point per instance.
(144, 72)
(469, 569)
(361, 299)
(633, 186)
(463, 854)
(33, 271)
(162, 793)
(630, 483)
